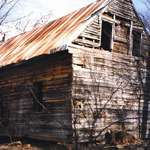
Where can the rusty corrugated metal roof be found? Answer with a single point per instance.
(48, 38)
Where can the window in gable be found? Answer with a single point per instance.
(136, 43)
(106, 35)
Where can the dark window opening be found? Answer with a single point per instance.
(136, 43)
(38, 96)
(106, 36)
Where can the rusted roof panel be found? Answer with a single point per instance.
(48, 38)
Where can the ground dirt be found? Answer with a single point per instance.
(52, 146)
(28, 144)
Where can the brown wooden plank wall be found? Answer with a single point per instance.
(16, 86)
(121, 36)
(91, 36)
(106, 83)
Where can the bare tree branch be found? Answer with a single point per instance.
(6, 7)
(146, 15)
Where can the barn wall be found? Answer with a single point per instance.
(17, 98)
(104, 65)
(107, 91)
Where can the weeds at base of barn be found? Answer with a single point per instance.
(51, 146)
(117, 144)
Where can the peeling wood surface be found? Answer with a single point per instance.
(106, 83)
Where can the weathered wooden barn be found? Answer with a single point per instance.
(77, 76)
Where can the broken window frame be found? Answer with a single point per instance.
(112, 22)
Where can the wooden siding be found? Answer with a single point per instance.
(96, 73)
(19, 118)
(121, 36)
(91, 36)
(107, 83)
(125, 9)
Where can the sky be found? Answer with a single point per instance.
(34, 9)
(57, 8)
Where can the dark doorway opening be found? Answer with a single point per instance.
(106, 36)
